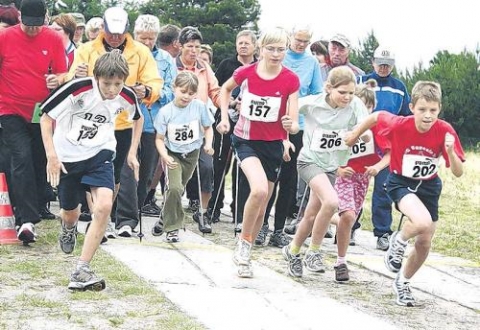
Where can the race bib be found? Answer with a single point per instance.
(184, 133)
(361, 148)
(419, 167)
(328, 141)
(87, 133)
(258, 108)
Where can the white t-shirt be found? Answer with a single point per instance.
(85, 122)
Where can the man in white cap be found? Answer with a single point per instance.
(143, 79)
(32, 62)
(338, 52)
(392, 96)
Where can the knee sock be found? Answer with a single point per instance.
(400, 240)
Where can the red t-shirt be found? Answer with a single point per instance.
(367, 153)
(24, 62)
(264, 103)
(414, 154)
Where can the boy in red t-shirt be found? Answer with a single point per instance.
(417, 142)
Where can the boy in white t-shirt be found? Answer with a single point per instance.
(80, 153)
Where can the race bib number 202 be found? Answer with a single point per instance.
(419, 167)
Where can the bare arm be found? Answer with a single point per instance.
(352, 137)
(208, 147)
(162, 150)
(54, 166)
(290, 120)
(456, 165)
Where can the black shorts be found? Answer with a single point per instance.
(428, 191)
(124, 140)
(270, 154)
(93, 172)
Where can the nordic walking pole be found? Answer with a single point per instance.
(229, 155)
(140, 234)
(400, 223)
(201, 223)
(236, 199)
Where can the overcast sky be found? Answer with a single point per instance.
(415, 29)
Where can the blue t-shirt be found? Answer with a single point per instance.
(308, 71)
(183, 127)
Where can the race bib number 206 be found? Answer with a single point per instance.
(328, 140)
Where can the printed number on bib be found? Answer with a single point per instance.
(257, 108)
(183, 133)
(327, 141)
(419, 167)
(361, 148)
(86, 132)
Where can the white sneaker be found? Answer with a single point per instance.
(27, 233)
(241, 255)
(125, 231)
(110, 232)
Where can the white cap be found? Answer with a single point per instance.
(384, 56)
(115, 20)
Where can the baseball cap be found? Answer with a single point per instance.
(384, 56)
(33, 12)
(79, 19)
(341, 39)
(115, 20)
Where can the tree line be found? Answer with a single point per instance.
(220, 20)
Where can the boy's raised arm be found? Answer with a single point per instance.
(352, 137)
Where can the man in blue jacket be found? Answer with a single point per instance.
(392, 96)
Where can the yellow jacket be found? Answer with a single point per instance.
(141, 64)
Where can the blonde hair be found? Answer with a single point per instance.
(188, 80)
(272, 36)
(339, 76)
(94, 23)
(205, 48)
(430, 91)
(366, 92)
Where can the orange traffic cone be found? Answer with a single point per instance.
(8, 234)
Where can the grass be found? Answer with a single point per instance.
(34, 281)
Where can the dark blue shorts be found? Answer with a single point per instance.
(93, 172)
(270, 154)
(428, 191)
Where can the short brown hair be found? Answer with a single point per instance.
(68, 24)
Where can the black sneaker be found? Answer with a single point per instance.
(203, 226)
(157, 229)
(152, 210)
(341, 273)
(279, 239)
(85, 217)
(46, 214)
(213, 217)
(172, 236)
(84, 279)
(68, 239)
(291, 229)
(262, 235)
(27, 233)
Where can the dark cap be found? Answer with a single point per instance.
(33, 12)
